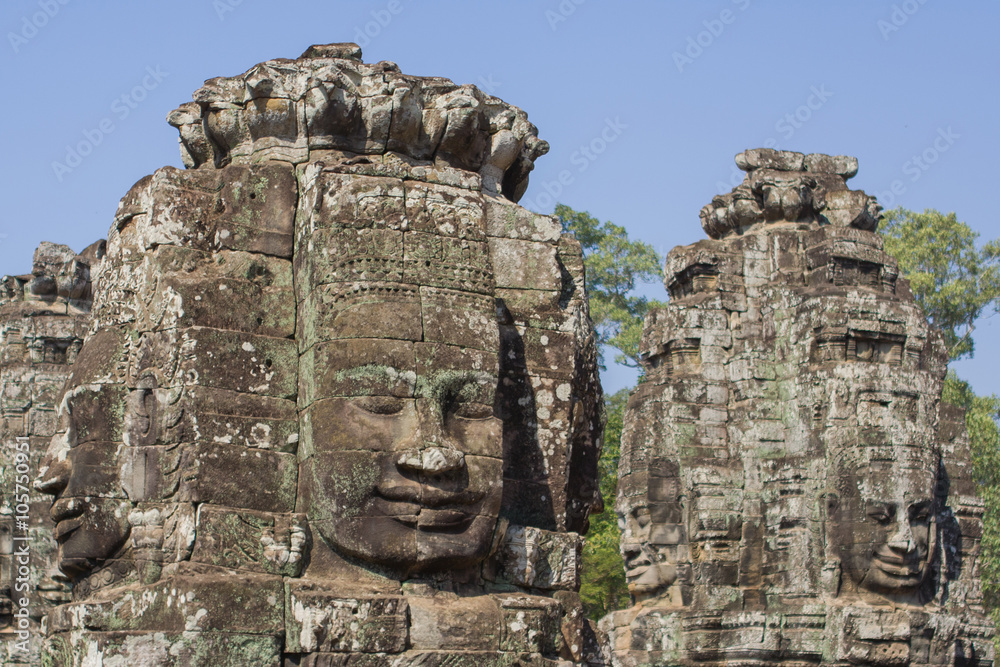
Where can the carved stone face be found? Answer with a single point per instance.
(647, 572)
(409, 479)
(80, 469)
(882, 527)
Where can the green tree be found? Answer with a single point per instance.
(603, 588)
(981, 417)
(615, 266)
(954, 281)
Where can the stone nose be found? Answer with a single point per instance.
(54, 470)
(431, 460)
(902, 538)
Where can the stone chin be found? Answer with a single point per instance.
(649, 581)
(89, 532)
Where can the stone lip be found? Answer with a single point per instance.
(786, 186)
(330, 100)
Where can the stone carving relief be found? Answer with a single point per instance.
(336, 374)
(793, 489)
(328, 397)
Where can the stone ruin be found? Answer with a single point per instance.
(793, 489)
(337, 405)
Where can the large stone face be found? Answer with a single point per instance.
(339, 402)
(793, 489)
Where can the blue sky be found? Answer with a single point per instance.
(664, 94)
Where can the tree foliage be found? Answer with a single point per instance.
(981, 417)
(954, 281)
(616, 266)
(603, 588)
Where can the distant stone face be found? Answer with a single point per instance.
(43, 319)
(339, 402)
(793, 488)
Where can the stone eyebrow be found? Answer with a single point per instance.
(448, 384)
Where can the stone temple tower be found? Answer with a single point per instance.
(794, 490)
(339, 402)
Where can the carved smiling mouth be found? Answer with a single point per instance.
(429, 508)
(899, 567)
(67, 514)
(440, 520)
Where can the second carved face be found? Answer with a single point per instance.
(81, 469)
(410, 482)
(882, 527)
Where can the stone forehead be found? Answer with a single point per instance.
(879, 460)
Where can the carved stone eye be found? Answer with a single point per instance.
(381, 405)
(470, 410)
(882, 514)
(920, 513)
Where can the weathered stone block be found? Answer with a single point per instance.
(234, 476)
(445, 211)
(195, 600)
(446, 623)
(525, 264)
(253, 364)
(536, 558)
(504, 219)
(237, 207)
(320, 621)
(197, 649)
(239, 539)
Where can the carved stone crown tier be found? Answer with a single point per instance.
(329, 100)
(784, 186)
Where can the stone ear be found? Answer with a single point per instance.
(828, 504)
(142, 410)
